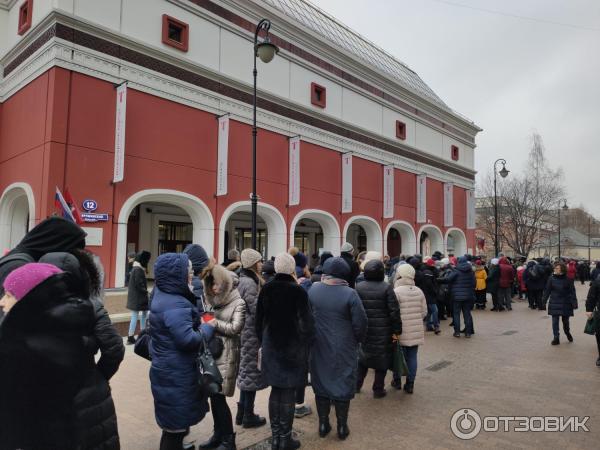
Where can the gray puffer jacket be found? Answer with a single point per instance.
(230, 314)
(250, 377)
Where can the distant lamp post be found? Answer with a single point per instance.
(266, 51)
(503, 173)
(565, 207)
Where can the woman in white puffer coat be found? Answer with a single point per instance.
(413, 308)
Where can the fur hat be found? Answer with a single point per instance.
(347, 248)
(370, 256)
(284, 263)
(250, 257)
(24, 279)
(406, 271)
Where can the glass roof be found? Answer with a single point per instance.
(322, 23)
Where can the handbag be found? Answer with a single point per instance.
(399, 366)
(209, 375)
(142, 345)
(593, 324)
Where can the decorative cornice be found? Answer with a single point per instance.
(7, 4)
(102, 63)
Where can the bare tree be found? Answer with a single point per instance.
(527, 202)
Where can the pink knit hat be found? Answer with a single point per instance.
(22, 280)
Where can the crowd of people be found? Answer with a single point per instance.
(278, 324)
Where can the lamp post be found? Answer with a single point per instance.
(590, 241)
(503, 173)
(266, 51)
(565, 207)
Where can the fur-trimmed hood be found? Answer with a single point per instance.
(228, 281)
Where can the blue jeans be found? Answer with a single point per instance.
(465, 307)
(432, 317)
(410, 354)
(134, 319)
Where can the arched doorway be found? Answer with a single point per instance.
(17, 214)
(314, 230)
(235, 229)
(400, 239)
(456, 242)
(161, 221)
(430, 240)
(363, 233)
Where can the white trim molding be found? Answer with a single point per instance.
(12, 193)
(437, 238)
(407, 236)
(372, 229)
(202, 221)
(460, 241)
(327, 222)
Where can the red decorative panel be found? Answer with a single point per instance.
(25, 14)
(318, 95)
(175, 33)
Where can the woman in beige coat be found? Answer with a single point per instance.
(229, 309)
(413, 308)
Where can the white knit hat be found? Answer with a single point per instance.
(285, 263)
(406, 271)
(250, 257)
(347, 247)
(370, 256)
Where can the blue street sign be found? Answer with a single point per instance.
(90, 205)
(91, 217)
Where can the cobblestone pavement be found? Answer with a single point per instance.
(508, 368)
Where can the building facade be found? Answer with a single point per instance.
(381, 161)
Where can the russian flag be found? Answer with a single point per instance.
(62, 206)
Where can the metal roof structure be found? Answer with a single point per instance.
(313, 18)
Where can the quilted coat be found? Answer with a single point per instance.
(413, 308)
(250, 377)
(230, 313)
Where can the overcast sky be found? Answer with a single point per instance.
(511, 76)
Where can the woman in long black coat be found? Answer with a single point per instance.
(43, 364)
(285, 327)
(562, 300)
(94, 405)
(137, 294)
(340, 324)
(383, 313)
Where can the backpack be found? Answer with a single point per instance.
(534, 272)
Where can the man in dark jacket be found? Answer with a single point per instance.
(428, 284)
(383, 314)
(507, 278)
(533, 276)
(199, 259)
(347, 254)
(462, 291)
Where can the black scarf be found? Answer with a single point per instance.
(54, 234)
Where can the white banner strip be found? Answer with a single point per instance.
(347, 183)
(388, 192)
(470, 209)
(294, 178)
(448, 204)
(421, 198)
(222, 155)
(119, 168)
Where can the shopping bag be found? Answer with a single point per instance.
(592, 325)
(400, 368)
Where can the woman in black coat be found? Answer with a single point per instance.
(383, 314)
(137, 294)
(44, 361)
(562, 300)
(285, 327)
(94, 405)
(593, 304)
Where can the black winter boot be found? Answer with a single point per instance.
(239, 417)
(409, 387)
(130, 340)
(228, 443)
(213, 442)
(286, 421)
(274, 419)
(323, 409)
(341, 412)
(555, 341)
(171, 441)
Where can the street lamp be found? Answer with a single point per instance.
(503, 173)
(266, 51)
(565, 207)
